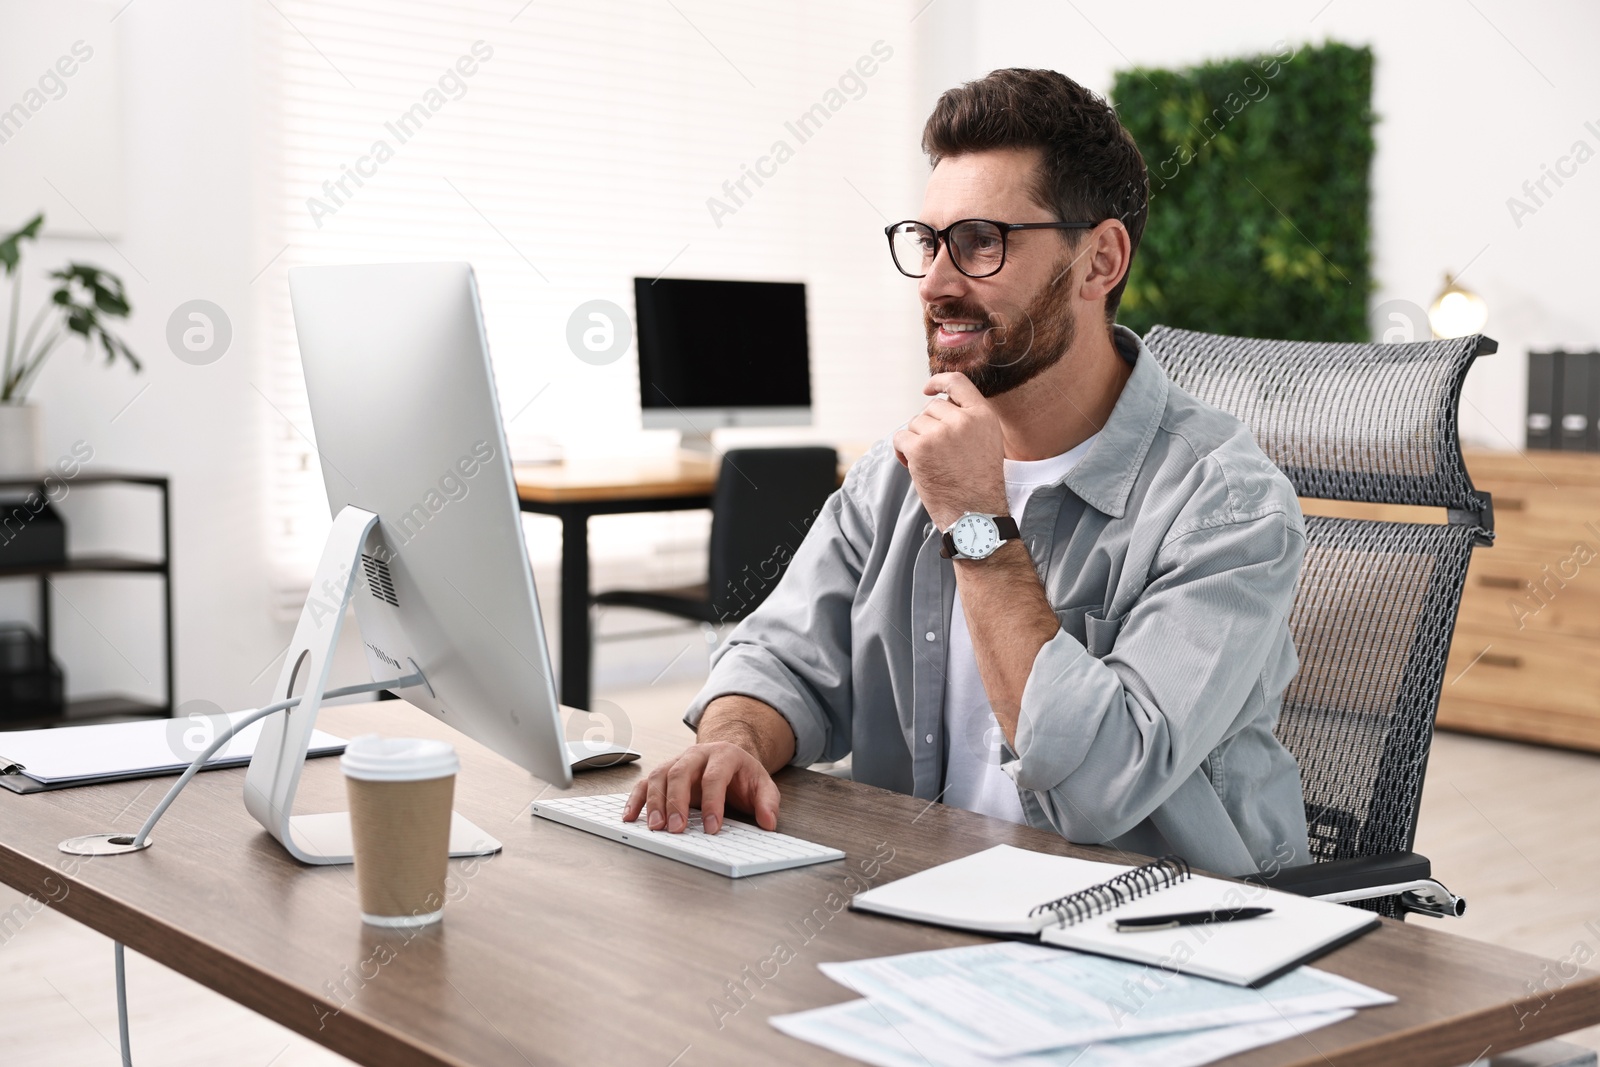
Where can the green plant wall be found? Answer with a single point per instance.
(1259, 189)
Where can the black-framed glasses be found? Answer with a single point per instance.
(977, 246)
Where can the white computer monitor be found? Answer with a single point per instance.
(427, 541)
(716, 353)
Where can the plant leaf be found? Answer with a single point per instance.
(85, 297)
(11, 244)
(111, 301)
(127, 353)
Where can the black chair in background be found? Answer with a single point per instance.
(764, 503)
(1376, 605)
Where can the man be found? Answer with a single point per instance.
(1112, 670)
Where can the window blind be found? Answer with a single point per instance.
(564, 149)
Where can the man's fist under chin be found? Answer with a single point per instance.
(955, 451)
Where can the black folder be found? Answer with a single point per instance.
(1543, 383)
(1576, 416)
(1594, 400)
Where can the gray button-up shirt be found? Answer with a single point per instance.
(1169, 553)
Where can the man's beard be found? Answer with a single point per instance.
(1016, 348)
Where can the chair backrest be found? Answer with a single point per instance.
(1376, 604)
(765, 501)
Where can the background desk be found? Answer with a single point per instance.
(571, 949)
(573, 492)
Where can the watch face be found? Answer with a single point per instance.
(975, 535)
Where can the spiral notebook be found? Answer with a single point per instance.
(1071, 903)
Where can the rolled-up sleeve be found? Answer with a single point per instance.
(1105, 738)
(794, 651)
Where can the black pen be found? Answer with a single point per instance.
(1186, 918)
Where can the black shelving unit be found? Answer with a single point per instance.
(102, 709)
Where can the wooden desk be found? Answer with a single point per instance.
(570, 949)
(575, 491)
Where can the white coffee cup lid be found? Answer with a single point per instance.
(398, 759)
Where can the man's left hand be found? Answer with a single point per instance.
(955, 451)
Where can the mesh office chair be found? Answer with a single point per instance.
(764, 502)
(1376, 603)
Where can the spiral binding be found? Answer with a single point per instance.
(1129, 885)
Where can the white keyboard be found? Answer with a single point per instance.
(737, 850)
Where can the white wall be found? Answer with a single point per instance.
(1472, 99)
(186, 108)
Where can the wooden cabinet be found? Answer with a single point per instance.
(1525, 662)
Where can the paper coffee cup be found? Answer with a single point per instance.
(401, 790)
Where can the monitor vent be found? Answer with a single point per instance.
(378, 581)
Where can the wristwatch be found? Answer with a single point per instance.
(977, 536)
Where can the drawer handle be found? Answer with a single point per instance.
(1499, 581)
(1501, 659)
(1509, 503)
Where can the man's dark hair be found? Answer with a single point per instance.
(1092, 169)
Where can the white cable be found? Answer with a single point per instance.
(223, 737)
(226, 734)
(122, 1007)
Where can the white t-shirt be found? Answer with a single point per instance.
(973, 778)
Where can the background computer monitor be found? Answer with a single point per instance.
(721, 353)
(408, 428)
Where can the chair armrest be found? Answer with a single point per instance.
(1344, 876)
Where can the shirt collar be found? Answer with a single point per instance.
(1105, 476)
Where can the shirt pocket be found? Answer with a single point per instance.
(1072, 619)
(1212, 768)
(1100, 634)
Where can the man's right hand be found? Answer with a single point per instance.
(710, 776)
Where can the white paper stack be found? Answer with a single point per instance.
(87, 755)
(1031, 1005)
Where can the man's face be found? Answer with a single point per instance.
(1003, 330)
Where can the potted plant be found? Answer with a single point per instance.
(84, 298)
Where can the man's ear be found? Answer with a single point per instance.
(1107, 253)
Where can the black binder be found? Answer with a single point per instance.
(31, 533)
(1594, 400)
(1576, 416)
(1543, 385)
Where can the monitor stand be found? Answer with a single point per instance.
(697, 441)
(280, 753)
